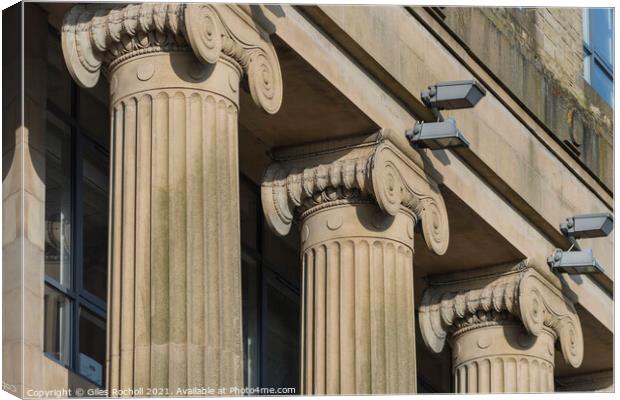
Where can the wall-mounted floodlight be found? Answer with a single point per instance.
(444, 96)
(588, 226)
(453, 95)
(574, 262)
(436, 135)
(579, 227)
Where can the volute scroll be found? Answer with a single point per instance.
(543, 305)
(99, 36)
(397, 181)
(374, 171)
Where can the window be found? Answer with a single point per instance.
(76, 219)
(598, 36)
(271, 304)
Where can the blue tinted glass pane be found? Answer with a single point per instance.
(602, 33)
(603, 84)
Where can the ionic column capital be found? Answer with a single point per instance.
(330, 173)
(520, 292)
(100, 36)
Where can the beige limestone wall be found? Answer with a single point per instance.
(23, 204)
(538, 54)
(12, 205)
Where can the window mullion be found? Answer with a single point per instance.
(68, 292)
(603, 65)
(77, 228)
(93, 305)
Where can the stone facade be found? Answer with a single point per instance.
(415, 264)
(538, 54)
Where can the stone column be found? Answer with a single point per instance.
(501, 324)
(357, 206)
(174, 301)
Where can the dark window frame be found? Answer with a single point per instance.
(267, 274)
(606, 68)
(76, 293)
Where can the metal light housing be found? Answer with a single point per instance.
(436, 135)
(574, 262)
(453, 95)
(588, 226)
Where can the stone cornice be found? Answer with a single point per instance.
(372, 170)
(97, 36)
(520, 291)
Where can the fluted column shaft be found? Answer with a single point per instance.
(502, 358)
(358, 330)
(175, 293)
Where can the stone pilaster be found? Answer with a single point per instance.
(502, 325)
(357, 205)
(174, 299)
(23, 198)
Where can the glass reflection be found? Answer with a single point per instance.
(251, 326)
(58, 202)
(281, 335)
(92, 346)
(58, 78)
(57, 320)
(93, 113)
(603, 84)
(95, 225)
(602, 33)
(271, 308)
